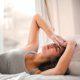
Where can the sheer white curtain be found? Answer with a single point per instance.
(1, 25)
(1, 36)
(41, 8)
(17, 16)
(48, 9)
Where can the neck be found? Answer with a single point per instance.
(40, 58)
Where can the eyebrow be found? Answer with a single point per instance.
(57, 47)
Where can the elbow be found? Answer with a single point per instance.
(36, 17)
(60, 71)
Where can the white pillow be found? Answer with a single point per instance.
(74, 66)
(75, 37)
(75, 62)
(76, 56)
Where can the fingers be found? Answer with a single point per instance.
(61, 41)
(72, 42)
(64, 44)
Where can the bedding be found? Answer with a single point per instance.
(74, 68)
(25, 76)
(75, 62)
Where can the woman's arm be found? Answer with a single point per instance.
(33, 39)
(48, 30)
(37, 23)
(64, 61)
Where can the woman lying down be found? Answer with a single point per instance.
(54, 58)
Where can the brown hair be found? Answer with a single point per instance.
(53, 62)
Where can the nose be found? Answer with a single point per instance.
(49, 46)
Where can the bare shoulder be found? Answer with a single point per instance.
(30, 55)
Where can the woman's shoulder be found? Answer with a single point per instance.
(30, 54)
(29, 60)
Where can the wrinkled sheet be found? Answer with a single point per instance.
(25, 76)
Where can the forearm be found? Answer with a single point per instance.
(49, 30)
(44, 25)
(65, 59)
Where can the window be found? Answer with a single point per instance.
(17, 18)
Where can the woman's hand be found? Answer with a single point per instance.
(72, 43)
(59, 40)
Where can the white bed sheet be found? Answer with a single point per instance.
(25, 76)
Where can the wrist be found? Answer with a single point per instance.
(71, 43)
(71, 46)
(54, 38)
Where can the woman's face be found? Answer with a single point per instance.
(50, 50)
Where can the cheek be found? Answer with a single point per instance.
(54, 52)
(43, 49)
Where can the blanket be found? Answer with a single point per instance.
(26, 76)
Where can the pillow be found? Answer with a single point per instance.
(76, 56)
(74, 37)
(74, 66)
(75, 62)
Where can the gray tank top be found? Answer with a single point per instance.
(13, 62)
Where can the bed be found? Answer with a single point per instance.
(18, 74)
(25, 76)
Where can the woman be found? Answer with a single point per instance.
(54, 58)
(61, 49)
